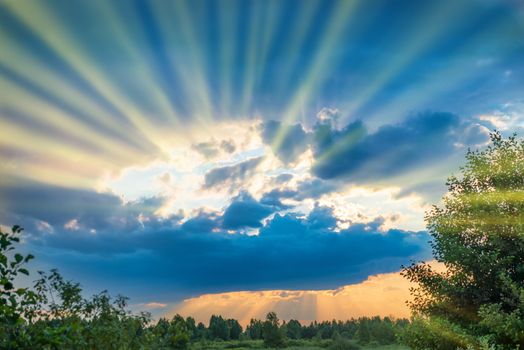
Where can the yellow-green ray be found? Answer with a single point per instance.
(36, 16)
(320, 67)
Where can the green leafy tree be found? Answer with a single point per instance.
(294, 329)
(53, 314)
(200, 331)
(363, 333)
(478, 233)
(179, 334)
(254, 329)
(192, 328)
(235, 329)
(16, 303)
(273, 335)
(218, 328)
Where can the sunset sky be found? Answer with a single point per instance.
(257, 154)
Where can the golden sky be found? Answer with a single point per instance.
(383, 295)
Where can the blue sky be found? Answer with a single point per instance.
(166, 149)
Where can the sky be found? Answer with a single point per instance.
(187, 152)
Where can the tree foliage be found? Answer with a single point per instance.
(273, 334)
(478, 233)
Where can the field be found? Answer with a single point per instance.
(292, 345)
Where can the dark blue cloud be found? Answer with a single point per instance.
(307, 189)
(58, 205)
(419, 141)
(200, 223)
(245, 212)
(293, 144)
(322, 217)
(289, 252)
(198, 255)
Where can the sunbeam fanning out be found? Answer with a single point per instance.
(241, 157)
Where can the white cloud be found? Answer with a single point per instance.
(506, 117)
(363, 205)
(72, 225)
(44, 226)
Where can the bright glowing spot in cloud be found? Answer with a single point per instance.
(361, 205)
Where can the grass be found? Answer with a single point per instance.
(292, 345)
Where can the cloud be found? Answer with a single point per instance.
(322, 217)
(153, 305)
(201, 223)
(60, 206)
(228, 146)
(475, 135)
(419, 141)
(212, 149)
(208, 149)
(244, 212)
(295, 141)
(198, 254)
(283, 178)
(307, 188)
(231, 174)
(507, 118)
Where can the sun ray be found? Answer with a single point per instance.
(227, 18)
(458, 73)
(42, 112)
(431, 30)
(127, 36)
(41, 20)
(26, 67)
(175, 17)
(341, 16)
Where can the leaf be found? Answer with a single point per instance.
(18, 257)
(24, 271)
(16, 229)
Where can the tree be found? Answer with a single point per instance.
(478, 233)
(179, 333)
(15, 303)
(53, 313)
(218, 328)
(235, 329)
(254, 329)
(272, 333)
(294, 329)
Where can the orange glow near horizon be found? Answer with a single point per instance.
(380, 295)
